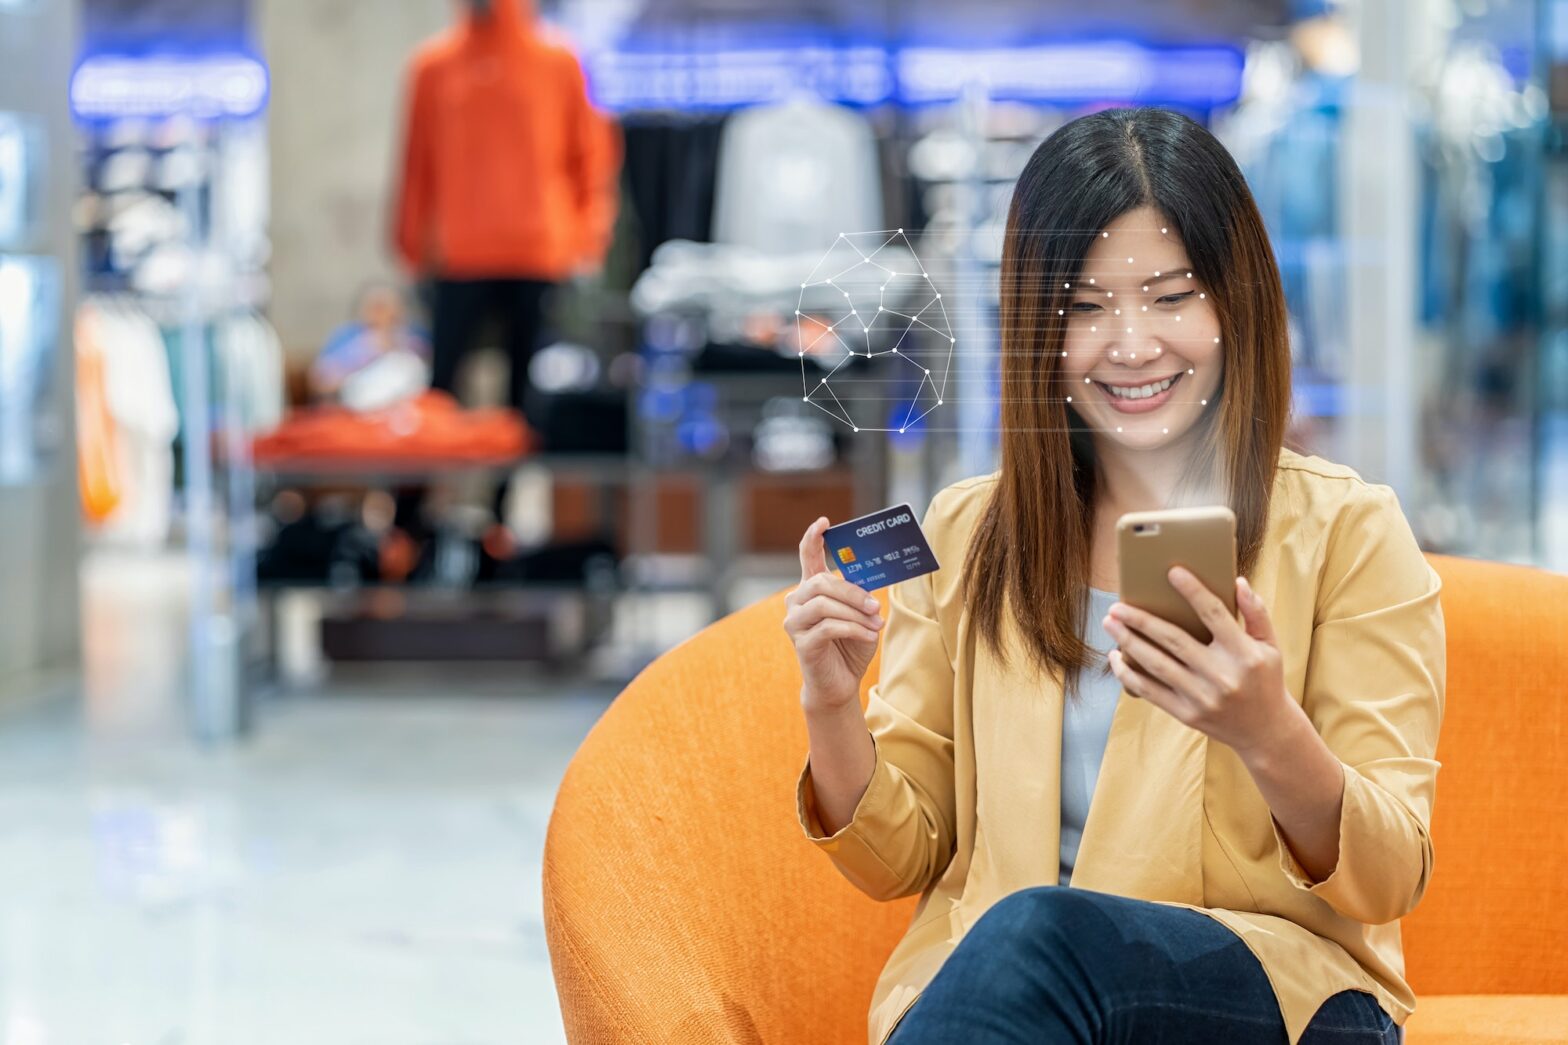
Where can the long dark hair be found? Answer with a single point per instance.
(1032, 544)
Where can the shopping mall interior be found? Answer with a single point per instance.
(385, 387)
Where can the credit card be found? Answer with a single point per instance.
(879, 549)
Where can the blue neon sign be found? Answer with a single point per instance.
(217, 86)
(1121, 72)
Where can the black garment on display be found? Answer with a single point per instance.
(589, 420)
(670, 166)
(459, 309)
(319, 550)
(570, 561)
(740, 358)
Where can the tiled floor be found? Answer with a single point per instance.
(364, 869)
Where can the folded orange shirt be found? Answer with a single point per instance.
(430, 427)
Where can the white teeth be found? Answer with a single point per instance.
(1142, 391)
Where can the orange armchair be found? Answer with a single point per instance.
(682, 904)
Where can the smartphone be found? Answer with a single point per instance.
(1148, 544)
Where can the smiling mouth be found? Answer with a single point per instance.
(1140, 394)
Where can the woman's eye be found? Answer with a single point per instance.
(1084, 306)
(1174, 299)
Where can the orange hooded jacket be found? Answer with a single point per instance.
(508, 170)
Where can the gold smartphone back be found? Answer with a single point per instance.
(1203, 540)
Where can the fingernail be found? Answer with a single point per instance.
(878, 622)
(870, 604)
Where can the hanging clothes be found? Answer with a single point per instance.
(671, 166)
(508, 170)
(793, 176)
(1285, 138)
(251, 361)
(98, 468)
(129, 469)
(789, 179)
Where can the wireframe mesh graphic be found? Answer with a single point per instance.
(871, 317)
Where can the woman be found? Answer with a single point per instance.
(1260, 804)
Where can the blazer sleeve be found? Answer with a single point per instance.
(1374, 690)
(901, 836)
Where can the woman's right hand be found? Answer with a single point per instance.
(834, 625)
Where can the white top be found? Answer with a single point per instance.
(1086, 725)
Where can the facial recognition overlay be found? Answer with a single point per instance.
(871, 318)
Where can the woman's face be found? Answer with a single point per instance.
(1141, 352)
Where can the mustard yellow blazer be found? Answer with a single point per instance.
(963, 805)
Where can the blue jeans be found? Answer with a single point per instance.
(1068, 965)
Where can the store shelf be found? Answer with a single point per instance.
(310, 470)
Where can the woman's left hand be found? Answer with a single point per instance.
(1232, 689)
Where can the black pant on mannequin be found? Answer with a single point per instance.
(459, 311)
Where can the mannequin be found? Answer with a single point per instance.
(508, 181)
(508, 185)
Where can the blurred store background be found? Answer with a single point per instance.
(300, 623)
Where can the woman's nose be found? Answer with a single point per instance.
(1134, 339)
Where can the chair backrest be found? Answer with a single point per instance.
(682, 905)
(1495, 915)
(681, 902)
